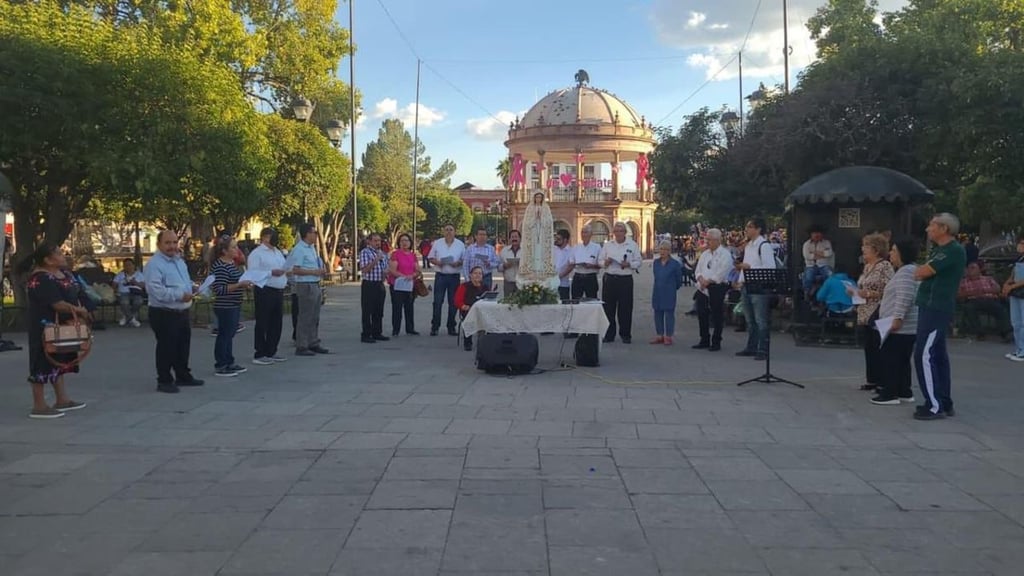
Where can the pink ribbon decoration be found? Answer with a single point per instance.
(579, 157)
(517, 175)
(641, 170)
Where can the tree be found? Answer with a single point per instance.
(844, 24)
(386, 173)
(503, 170)
(311, 177)
(440, 208)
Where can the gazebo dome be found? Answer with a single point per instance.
(580, 104)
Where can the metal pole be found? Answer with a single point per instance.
(741, 92)
(352, 136)
(415, 149)
(785, 40)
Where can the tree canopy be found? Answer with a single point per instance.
(935, 92)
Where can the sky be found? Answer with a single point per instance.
(484, 62)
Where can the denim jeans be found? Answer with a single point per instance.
(759, 326)
(813, 273)
(444, 291)
(223, 353)
(1017, 320)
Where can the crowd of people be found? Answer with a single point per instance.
(916, 303)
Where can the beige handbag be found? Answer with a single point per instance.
(64, 339)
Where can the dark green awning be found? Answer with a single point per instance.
(860, 184)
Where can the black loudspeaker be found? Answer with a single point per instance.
(586, 352)
(507, 353)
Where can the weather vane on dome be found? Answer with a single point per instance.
(582, 77)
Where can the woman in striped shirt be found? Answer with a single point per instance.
(229, 290)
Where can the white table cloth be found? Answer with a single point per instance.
(497, 318)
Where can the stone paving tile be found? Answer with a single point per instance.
(502, 458)
(601, 561)
(314, 512)
(84, 554)
(540, 428)
(282, 552)
(599, 492)
(400, 529)
(594, 528)
(756, 495)
(171, 563)
(649, 458)
(400, 561)
(47, 464)
(478, 426)
(604, 429)
(721, 551)
(928, 496)
(194, 532)
(428, 468)
(414, 494)
(662, 481)
(825, 482)
(367, 440)
(751, 468)
(806, 562)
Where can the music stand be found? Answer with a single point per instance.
(767, 281)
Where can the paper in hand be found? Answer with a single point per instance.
(403, 284)
(204, 288)
(257, 277)
(884, 327)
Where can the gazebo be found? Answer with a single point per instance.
(567, 144)
(849, 203)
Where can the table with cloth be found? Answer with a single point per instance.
(497, 318)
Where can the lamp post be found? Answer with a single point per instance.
(730, 122)
(302, 109)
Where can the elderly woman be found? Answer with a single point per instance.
(668, 277)
(870, 286)
(53, 296)
(898, 304)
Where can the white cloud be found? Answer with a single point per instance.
(490, 128)
(714, 32)
(388, 108)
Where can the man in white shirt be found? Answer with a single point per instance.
(621, 260)
(757, 254)
(586, 256)
(819, 260)
(268, 300)
(563, 262)
(130, 285)
(447, 254)
(712, 274)
(509, 266)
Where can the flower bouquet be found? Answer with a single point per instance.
(531, 295)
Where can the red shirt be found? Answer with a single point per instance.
(980, 287)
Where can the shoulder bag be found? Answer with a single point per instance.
(72, 338)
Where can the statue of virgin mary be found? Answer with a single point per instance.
(536, 260)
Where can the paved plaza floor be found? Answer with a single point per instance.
(401, 459)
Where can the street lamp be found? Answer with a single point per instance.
(335, 130)
(302, 108)
(757, 97)
(730, 122)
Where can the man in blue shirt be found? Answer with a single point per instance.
(481, 254)
(307, 269)
(170, 290)
(833, 293)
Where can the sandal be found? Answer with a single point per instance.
(46, 414)
(71, 405)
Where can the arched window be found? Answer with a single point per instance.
(599, 231)
(562, 225)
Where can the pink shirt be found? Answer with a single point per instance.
(406, 263)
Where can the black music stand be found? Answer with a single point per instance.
(767, 281)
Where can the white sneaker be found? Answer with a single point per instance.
(262, 361)
(907, 400)
(135, 323)
(278, 359)
(1015, 357)
(122, 322)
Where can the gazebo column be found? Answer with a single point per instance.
(579, 177)
(615, 176)
(543, 177)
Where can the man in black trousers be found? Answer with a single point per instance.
(621, 259)
(373, 264)
(712, 274)
(269, 299)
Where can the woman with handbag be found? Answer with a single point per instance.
(402, 272)
(54, 301)
(871, 287)
(1013, 289)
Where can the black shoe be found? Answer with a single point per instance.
(453, 332)
(304, 352)
(320, 350)
(626, 340)
(881, 400)
(572, 336)
(714, 348)
(433, 332)
(929, 415)
(413, 333)
(167, 388)
(394, 333)
(701, 346)
(950, 412)
(191, 382)
(746, 353)
(380, 338)
(760, 356)
(868, 387)
(608, 339)
(367, 340)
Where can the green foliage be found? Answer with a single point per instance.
(440, 208)
(935, 94)
(386, 173)
(311, 177)
(531, 295)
